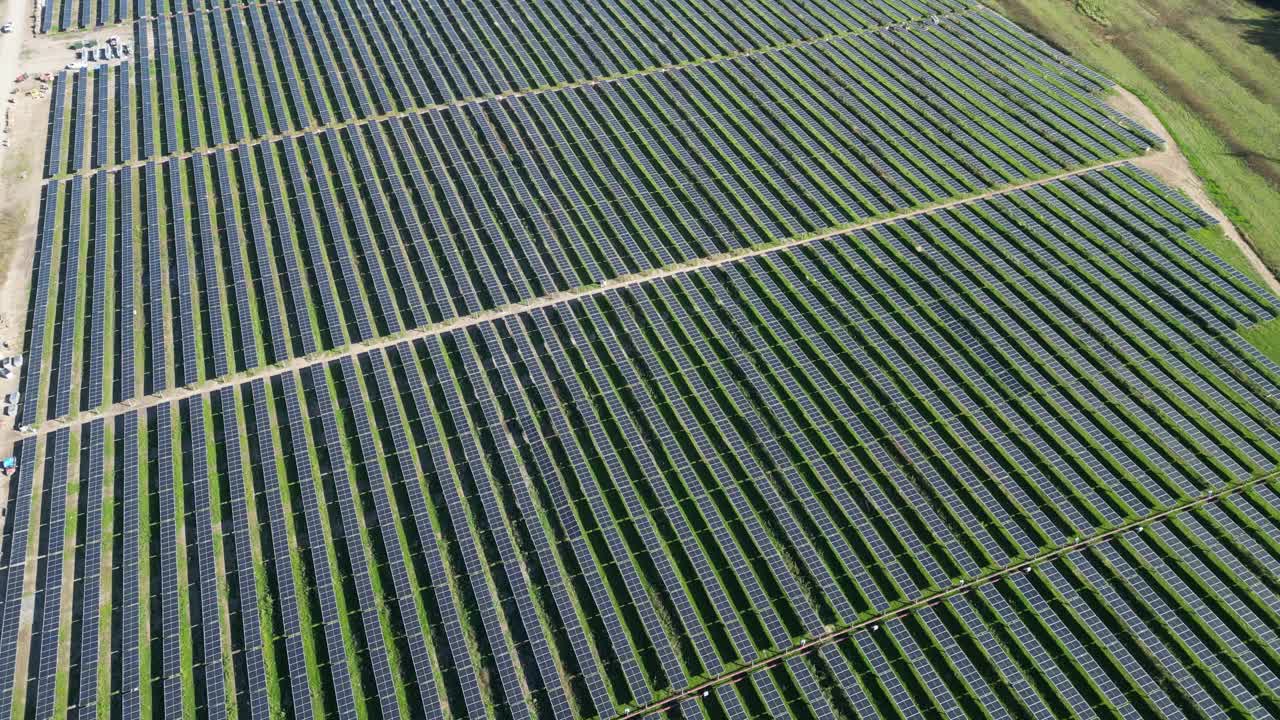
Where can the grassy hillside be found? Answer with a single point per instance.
(1210, 69)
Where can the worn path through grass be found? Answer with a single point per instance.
(1208, 69)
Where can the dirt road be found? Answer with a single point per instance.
(543, 301)
(18, 13)
(1172, 168)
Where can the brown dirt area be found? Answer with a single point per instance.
(1172, 168)
(24, 130)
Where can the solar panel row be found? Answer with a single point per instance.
(404, 581)
(158, 337)
(160, 426)
(252, 678)
(206, 525)
(493, 404)
(282, 566)
(44, 283)
(130, 645)
(590, 506)
(96, 293)
(945, 54)
(524, 196)
(337, 646)
(49, 627)
(509, 60)
(65, 334)
(86, 696)
(14, 556)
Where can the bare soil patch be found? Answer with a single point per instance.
(1172, 168)
(24, 128)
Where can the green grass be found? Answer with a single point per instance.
(1205, 69)
(1265, 336)
(1219, 244)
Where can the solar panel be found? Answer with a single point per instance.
(827, 472)
(80, 121)
(336, 645)
(297, 288)
(86, 698)
(93, 382)
(386, 525)
(436, 295)
(211, 303)
(643, 488)
(372, 255)
(249, 78)
(793, 482)
(49, 628)
(318, 262)
(301, 115)
(348, 276)
(70, 294)
(129, 645)
(402, 276)
(101, 82)
(528, 614)
(123, 114)
(212, 98)
(187, 324)
(281, 119)
(467, 545)
(209, 619)
(333, 19)
(541, 392)
(615, 264)
(352, 535)
(164, 77)
(282, 558)
(1234, 625)
(402, 460)
(687, 423)
(341, 8)
(226, 72)
(250, 655)
(189, 97)
(277, 342)
(171, 665)
(146, 91)
(465, 298)
(46, 17)
(18, 527)
(323, 115)
(33, 367)
(229, 229)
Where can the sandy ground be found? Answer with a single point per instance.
(17, 12)
(23, 131)
(17, 162)
(27, 115)
(1172, 167)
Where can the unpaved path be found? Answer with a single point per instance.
(25, 126)
(11, 45)
(872, 624)
(1168, 164)
(540, 302)
(22, 133)
(501, 97)
(1172, 168)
